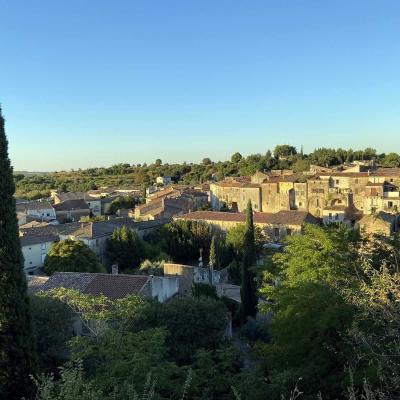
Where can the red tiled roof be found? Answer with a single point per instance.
(111, 286)
(386, 172)
(282, 217)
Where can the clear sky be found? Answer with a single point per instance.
(92, 83)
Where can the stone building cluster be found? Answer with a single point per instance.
(344, 194)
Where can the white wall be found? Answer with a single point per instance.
(47, 214)
(163, 287)
(34, 255)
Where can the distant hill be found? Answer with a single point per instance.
(30, 173)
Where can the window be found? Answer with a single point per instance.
(330, 215)
(43, 246)
(276, 232)
(337, 217)
(390, 204)
(300, 204)
(337, 181)
(288, 232)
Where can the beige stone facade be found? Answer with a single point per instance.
(275, 226)
(356, 190)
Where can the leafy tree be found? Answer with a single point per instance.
(192, 324)
(236, 157)
(206, 161)
(306, 292)
(301, 165)
(125, 248)
(52, 327)
(235, 239)
(182, 240)
(71, 385)
(71, 256)
(391, 160)
(375, 331)
(17, 356)
(248, 291)
(284, 150)
(218, 374)
(152, 267)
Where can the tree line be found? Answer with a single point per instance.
(142, 175)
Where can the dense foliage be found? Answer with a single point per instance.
(126, 249)
(16, 340)
(182, 239)
(52, 327)
(332, 295)
(71, 256)
(152, 349)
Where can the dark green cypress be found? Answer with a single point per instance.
(16, 339)
(248, 292)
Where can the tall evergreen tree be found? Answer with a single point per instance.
(213, 253)
(16, 338)
(248, 292)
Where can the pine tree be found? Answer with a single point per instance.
(248, 292)
(16, 338)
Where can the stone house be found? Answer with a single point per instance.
(95, 234)
(380, 223)
(94, 203)
(35, 249)
(71, 210)
(40, 210)
(366, 188)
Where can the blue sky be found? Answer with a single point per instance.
(92, 83)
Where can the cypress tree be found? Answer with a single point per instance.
(213, 253)
(248, 291)
(16, 338)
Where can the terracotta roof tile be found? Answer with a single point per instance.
(282, 217)
(111, 286)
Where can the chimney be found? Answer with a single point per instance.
(114, 269)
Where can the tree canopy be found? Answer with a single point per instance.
(71, 256)
(126, 249)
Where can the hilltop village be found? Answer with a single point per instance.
(225, 276)
(361, 195)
